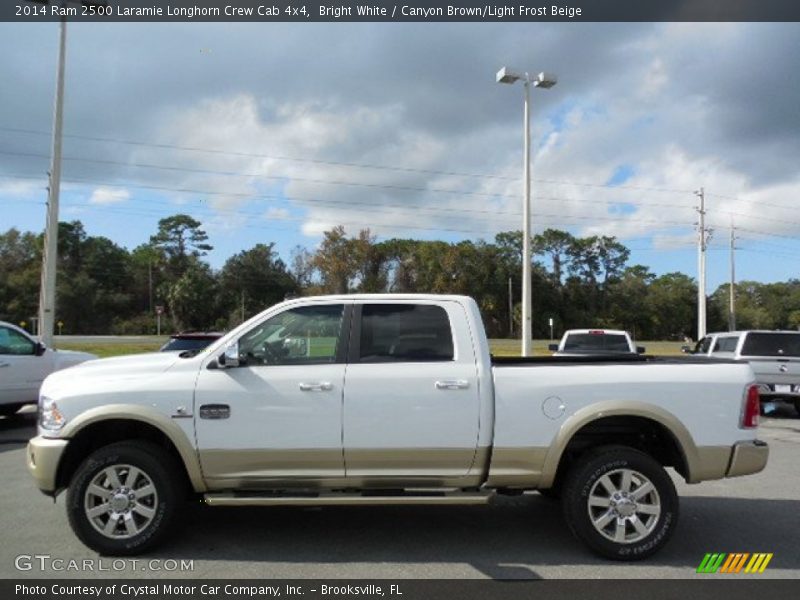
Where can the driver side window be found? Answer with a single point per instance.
(305, 335)
(14, 343)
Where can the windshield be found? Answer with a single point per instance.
(596, 342)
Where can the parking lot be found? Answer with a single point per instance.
(521, 537)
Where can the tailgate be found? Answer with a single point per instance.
(780, 371)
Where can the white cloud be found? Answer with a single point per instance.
(106, 195)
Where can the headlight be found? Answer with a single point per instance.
(50, 418)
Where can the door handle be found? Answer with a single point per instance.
(452, 384)
(322, 386)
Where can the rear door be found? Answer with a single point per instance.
(411, 401)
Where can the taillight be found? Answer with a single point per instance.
(751, 408)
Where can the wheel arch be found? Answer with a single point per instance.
(600, 424)
(105, 425)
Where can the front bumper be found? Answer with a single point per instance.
(43, 456)
(748, 457)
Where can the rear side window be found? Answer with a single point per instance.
(596, 342)
(771, 344)
(405, 333)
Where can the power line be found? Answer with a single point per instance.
(344, 163)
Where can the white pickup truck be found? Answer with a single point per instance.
(581, 342)
(378, 399)
(24, 363)
(774, 356)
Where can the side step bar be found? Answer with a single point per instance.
(333, 499)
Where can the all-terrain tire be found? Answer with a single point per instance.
(620, 502)
(125, 497)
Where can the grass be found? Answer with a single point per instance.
(120, 346)
(108, 349)
(512, 347)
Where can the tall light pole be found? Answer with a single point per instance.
(546, 81)
(47, 290)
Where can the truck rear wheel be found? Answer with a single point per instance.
(124, 498)
(621, 503)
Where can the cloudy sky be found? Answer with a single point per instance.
(276, 132)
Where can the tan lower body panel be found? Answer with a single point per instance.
(324, 468)
(517, 467)
(711, 463)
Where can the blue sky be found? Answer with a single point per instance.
(276, 133)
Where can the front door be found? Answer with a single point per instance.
(276, 419)
(21, 369)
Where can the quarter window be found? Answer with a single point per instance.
(405, 333)
(299, 336)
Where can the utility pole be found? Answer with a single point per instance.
(732, 292)
(47, 289)
(702, 244)
(510, 311)
(150, 285)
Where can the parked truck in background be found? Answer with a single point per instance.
(579, 342)
(773, 355)
(384, 399)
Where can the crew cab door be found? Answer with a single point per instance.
(411, 401)
(277, 416)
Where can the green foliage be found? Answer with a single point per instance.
(578, 282)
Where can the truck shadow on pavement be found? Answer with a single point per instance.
(16, 430)
(505, 540)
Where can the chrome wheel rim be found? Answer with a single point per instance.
(624, 506)
(121, 501)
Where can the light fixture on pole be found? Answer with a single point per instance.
(546, 81)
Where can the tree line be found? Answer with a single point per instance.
(104, 288)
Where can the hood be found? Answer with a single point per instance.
(134, 366)
(72, 357)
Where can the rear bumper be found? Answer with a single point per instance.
(43, 456)
(748, 457)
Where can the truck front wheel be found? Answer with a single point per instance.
(621, 503)
(124, 498)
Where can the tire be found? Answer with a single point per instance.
(621, 526)
(136, 518)
(797, 406)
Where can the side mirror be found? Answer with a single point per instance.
(39, 348)
(230, 358)
(552, 347)
(685, 349)
(640, 349)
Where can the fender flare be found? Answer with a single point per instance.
(143, 414)
(622, 408)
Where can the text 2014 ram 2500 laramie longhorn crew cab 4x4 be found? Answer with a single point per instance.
(376, 399)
